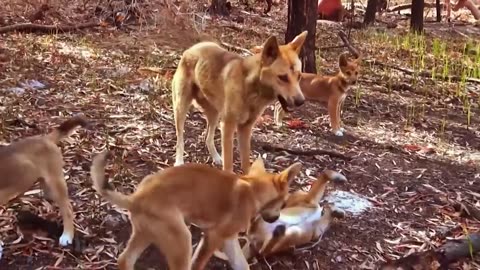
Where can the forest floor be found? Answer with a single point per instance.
(413, 139)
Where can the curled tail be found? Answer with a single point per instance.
(67, 127)
(318, 187)
(100, 183)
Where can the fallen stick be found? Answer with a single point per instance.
(236, 48)
(441, 257)
(422, 73)
(409, 6)
(39, 28)
(298, 152)
(346, 42)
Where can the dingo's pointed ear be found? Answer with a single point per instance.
(297, 42)
(257, 166)
(343, 60)
(291, 172)
(270, 50)
(256, 49)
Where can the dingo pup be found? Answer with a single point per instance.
(330, 89)
(39, 159)
(220, 203)
(236, 90)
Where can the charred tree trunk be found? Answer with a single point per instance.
(416, 22)
(302, 15)
(370, 12)
(219, 7)
(439, 10)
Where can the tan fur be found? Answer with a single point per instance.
(39, 159)
(329, 89)
(235, 90)
(301, 221)
(301, 235)
(220, 203)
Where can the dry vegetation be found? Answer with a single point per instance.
(413, 128)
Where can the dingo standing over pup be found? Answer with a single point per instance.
(219, 202)
(330, 89)
(39, 159)
(236, 90)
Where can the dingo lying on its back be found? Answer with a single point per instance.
(301, 221)
(236, 90)
(220, 203)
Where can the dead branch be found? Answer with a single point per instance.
(442, 257)
(467, 210)
(424, 73)
(409, 6)
(236, 48)
(298, 152)
(47, 29)
(347, 43)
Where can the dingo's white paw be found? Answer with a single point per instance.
(66, 239)
(178, 162)
(217, 159)
(339, 133)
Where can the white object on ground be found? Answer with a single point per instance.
(348, 202)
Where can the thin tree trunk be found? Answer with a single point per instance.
(370, 12)
(416, 22)
(302, 15)
(439, 10)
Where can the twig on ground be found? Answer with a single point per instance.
(236, 48)
(266, 262)
(409, 6)
(39, 28)
(298, 152)
(467, 209)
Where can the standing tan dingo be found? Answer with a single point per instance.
(236, 90)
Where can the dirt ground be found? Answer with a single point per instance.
(412, 145)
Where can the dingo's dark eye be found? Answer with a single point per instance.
(283, 78)
(348, 73)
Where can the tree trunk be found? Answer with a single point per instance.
(370, 12)
(302, 15)
(219, 7)
(416, 22)
(439, 10)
